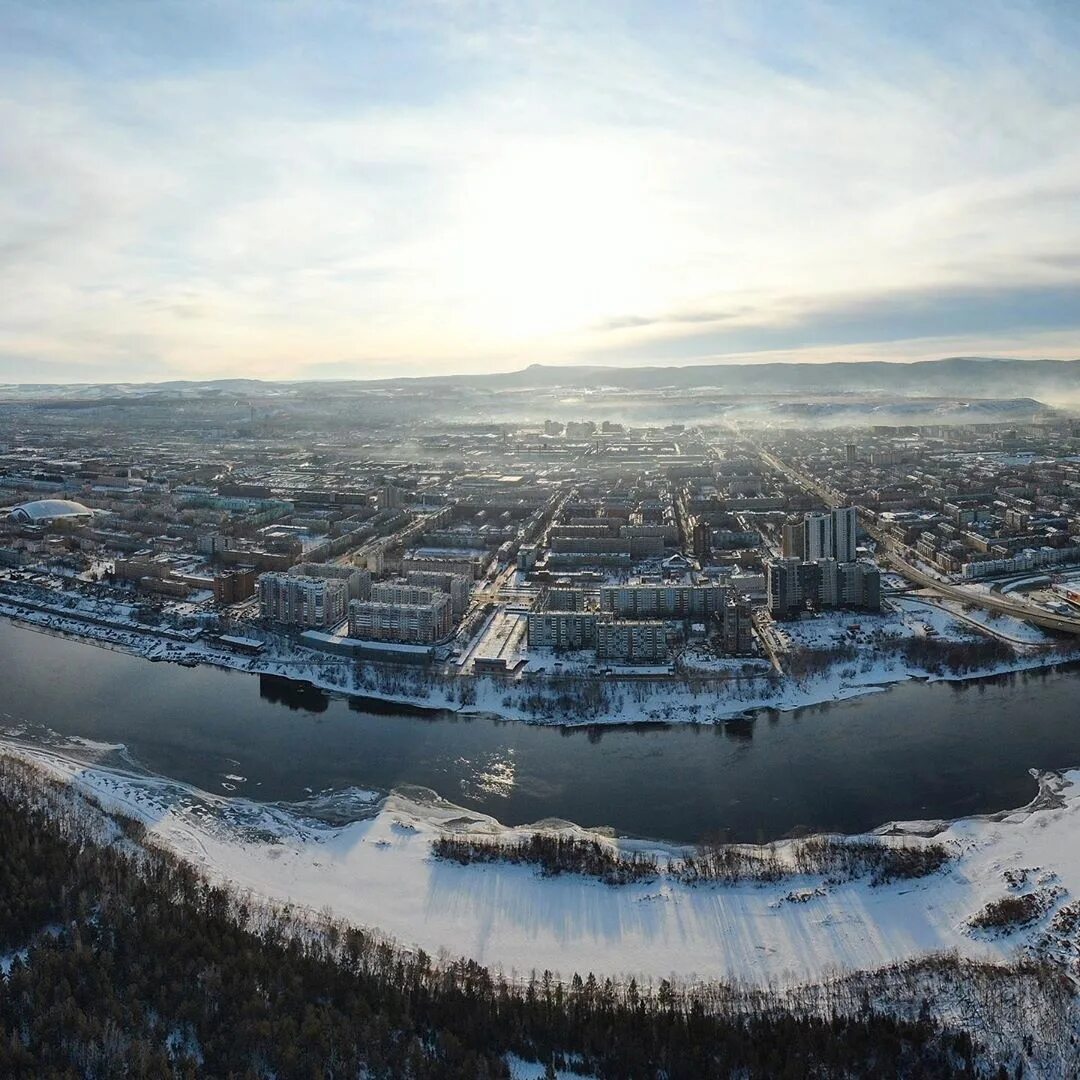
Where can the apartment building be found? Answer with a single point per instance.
(457, 586)
(828, 536)
(793, 544)
(633, 640)
(232, 586)
(562, 630)
(591, 545)
(406, 623)
(817, 537)
(844, 529)
(470, 566)
(357, 580)
(793, 585)
(736, 629)
(558, 598)
(662, 601)
(394, 592)
(296, 600)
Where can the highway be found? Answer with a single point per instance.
(1062, 624)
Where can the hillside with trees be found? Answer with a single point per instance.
(120, 960)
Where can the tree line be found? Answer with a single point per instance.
(833, 858)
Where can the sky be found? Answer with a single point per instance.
(342, 189)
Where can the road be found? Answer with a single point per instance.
(1062, 624)
(980, 626)
(764, 629)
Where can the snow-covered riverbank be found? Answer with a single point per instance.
(720, 691)
(378, 871)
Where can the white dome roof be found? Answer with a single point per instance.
(50, 509)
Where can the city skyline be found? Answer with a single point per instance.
(338, 191)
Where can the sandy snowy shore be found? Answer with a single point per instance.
(378, 871)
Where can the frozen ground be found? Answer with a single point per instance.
(955, 620)
(377, 871)
(950, 620)
(1006, 626)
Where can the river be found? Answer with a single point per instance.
(915, 751)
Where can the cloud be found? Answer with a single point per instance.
(674, 319)
(186, 190)
(946, 313)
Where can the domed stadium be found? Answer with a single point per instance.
(45, 510)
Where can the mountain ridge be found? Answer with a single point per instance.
(976, 377)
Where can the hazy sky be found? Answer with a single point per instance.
(350, 189)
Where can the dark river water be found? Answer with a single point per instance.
(916, 751)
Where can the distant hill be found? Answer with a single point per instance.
(958, 375)
(965, 377)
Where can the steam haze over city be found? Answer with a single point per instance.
(336, 190)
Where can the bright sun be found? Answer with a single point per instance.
(556, 237)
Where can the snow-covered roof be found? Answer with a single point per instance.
(49, 510)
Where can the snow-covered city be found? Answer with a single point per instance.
(539, 541)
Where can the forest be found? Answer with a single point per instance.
(117, 959)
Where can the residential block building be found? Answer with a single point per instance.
(457, 586)
(562, 630)
(357, 580)
(296, 600)
(829, 536)
(793, 585)
(736, 629)
(232, 586)
(634, 640)
(407, 623)
(662, 601)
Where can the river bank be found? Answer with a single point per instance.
(719, 693)
(378, 871)
(117, 837)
